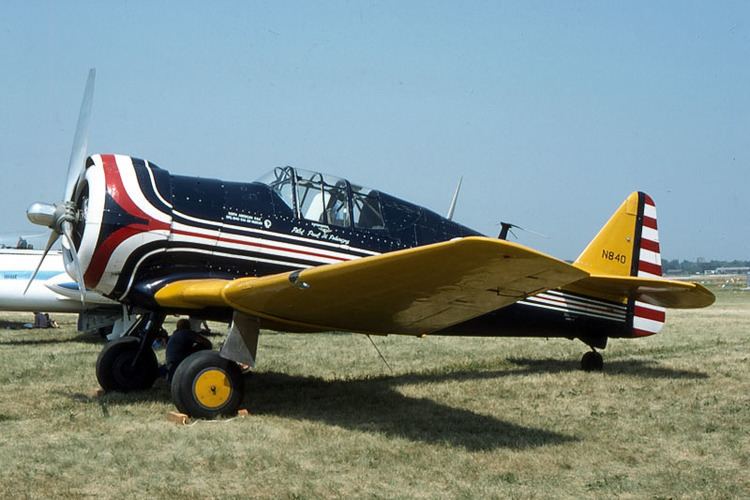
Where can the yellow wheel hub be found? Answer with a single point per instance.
(212, 388)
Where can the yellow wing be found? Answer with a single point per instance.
(413, 291)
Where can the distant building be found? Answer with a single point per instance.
(731, 270)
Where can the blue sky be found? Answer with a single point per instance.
(553, 112)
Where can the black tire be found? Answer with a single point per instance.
(592, 361)
(115, 370)
(205, 385)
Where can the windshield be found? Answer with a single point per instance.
(281, 181)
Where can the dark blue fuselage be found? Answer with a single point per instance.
(229, 230)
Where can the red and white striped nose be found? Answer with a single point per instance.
(120, 219)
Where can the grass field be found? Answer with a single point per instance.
(668, 418)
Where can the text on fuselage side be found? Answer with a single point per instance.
(322, 233)
(247, 219)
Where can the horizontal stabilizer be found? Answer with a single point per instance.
(655, 291)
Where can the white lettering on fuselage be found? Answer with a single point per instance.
(245, 219)
(320, 233)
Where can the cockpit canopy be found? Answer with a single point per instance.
(326, 199)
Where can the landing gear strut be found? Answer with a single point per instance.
(129, 363)
(592, 361)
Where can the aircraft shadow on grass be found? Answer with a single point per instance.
(374, 404)
(13, 325)
(369, 405)
(78, 339)
(629, 367)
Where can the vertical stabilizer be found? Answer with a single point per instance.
(628, 245)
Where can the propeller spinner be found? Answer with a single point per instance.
(62, 216)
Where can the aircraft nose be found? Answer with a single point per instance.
(42, 214)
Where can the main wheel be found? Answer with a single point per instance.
(116, 371)
(205, 385)
(592, 362)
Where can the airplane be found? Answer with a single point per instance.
(52, 290)
(302, 251)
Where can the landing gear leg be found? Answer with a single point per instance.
(592, 361)
(208, 384)
(129, 363)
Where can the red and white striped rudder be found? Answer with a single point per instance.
(648, 251)
(647, 319)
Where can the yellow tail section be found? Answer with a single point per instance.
(613, 249)
(624, 263)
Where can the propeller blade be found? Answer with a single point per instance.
(452, 207)
(80, 141)
(67, 228)
(51, 241)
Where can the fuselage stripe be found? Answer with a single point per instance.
(224, 227)
(565, 310)
(292, 265)
(587, 300)
(574, 309)
(260, 245)
(579, 306)
(583, 300)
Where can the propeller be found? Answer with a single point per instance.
(60, 217)
(452, 207)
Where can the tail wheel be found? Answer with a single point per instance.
(205, 385)
(117, 371)
(592, 361)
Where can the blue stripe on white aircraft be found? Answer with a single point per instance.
(52, 290)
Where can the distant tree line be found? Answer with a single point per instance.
(699, 266)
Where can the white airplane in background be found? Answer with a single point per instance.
(52, 290)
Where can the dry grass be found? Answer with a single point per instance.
(457, 418)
